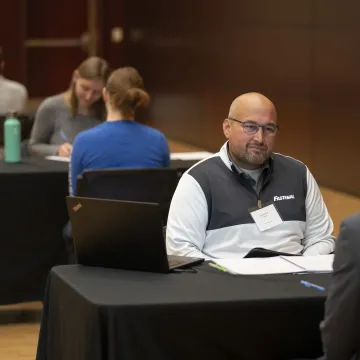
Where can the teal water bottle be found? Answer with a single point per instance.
(12, 139)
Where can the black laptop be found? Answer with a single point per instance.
(121, 235)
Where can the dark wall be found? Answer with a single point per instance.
(196, 56)
(43, 70)
(49, 69)
(12, 36)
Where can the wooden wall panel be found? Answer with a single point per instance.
(111, 15)
(43, 71)
(56, 19)
(336, 147)
(50, 69)
(257, 12)
(336, 94)
(336, 75)
(337, 13)
(12, 36)
(196, 56)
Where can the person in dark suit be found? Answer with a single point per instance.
(341, 326)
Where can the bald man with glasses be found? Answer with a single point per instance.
(245, 196)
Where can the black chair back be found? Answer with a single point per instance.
(144, 185)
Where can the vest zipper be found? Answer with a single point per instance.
(259, 202)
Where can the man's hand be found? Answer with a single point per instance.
(64, 150)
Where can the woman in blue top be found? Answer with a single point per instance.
(120, 142)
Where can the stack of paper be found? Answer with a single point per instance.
(199, 155)
(57, 158)
(278, 265)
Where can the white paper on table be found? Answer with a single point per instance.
(174, 156)
(197, 155)
(57, 158)
(278, 265)
(258, 266)
(317, 263)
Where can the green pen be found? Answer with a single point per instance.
(218, 267)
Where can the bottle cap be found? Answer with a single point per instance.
(11, 114)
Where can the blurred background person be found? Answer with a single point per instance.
(61, 117)
(121, 141)
(13, 95)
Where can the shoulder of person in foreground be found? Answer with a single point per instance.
(340, 330)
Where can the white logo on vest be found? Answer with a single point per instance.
(285, 197)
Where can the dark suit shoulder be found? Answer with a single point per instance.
(352, 223)
(349, 237)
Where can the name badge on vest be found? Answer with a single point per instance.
(266, 217)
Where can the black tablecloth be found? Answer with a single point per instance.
(32, 216)
(95, 313)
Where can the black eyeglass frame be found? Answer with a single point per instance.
(276, 127)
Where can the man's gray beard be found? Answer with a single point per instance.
(255, 159)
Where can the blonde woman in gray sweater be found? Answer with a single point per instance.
(61, 117)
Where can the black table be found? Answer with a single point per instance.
(95, 313)
(33, 214)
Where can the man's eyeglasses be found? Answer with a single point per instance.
(252, 128)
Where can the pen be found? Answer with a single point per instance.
(62, 134)
(310, 285)
(218, 267)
